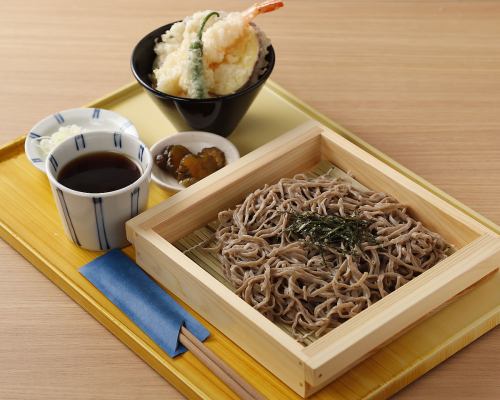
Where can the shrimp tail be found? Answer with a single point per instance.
(261, 8)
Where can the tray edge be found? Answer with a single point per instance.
(482, 325)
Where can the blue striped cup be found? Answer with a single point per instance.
(96, 221)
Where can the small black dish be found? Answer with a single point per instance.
(218, 115)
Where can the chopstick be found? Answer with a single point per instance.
(223, 371)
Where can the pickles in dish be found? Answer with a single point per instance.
(189, 168)
(170, 158)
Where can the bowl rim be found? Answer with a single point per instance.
(162, 29)
(106, 114)
(145, 175)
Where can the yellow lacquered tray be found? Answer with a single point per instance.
(29, 222)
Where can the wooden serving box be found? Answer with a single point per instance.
(306, 369)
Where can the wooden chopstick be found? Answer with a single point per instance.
(224, 372)
(222, 365)
(242, 393)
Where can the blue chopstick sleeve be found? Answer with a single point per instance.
(126, 285)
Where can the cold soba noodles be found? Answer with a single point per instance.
(313, 252)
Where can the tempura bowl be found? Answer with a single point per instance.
(218, 115)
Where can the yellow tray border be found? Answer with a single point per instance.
(169, 371)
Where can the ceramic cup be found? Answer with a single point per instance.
(96, 221)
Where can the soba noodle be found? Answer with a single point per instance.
(311, 289)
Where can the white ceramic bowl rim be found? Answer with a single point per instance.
(145, 173)
(111, 118)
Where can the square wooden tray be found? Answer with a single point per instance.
(308, 369)
(34, 230)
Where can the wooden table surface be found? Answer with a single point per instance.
(419, 80)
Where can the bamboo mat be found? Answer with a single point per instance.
(194, 245)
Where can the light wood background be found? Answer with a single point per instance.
(420, 80)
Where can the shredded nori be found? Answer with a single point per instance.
(345, 234)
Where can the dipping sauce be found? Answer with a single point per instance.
(99, 172)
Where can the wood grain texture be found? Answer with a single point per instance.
(418, 80)
(336, 352)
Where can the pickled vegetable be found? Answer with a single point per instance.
(189, 168)
(216, 154)
(170, 158)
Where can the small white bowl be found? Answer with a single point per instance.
(90, 119)
(194, 141)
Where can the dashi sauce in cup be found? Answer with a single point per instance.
(99, 181)
(100, 172)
